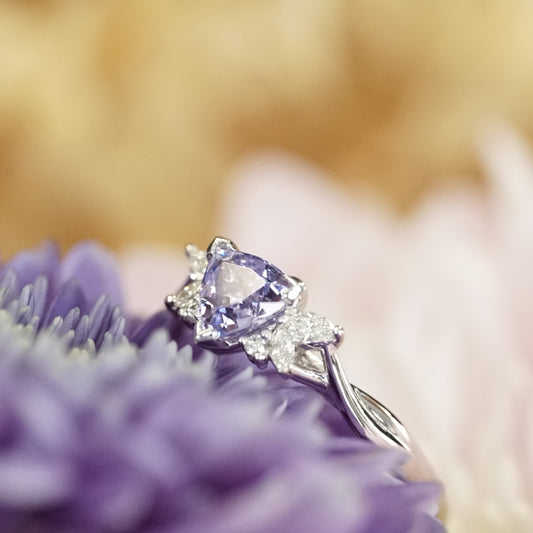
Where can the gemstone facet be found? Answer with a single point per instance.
(241, 293)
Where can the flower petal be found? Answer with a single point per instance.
(95, 269)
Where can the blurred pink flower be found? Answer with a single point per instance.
(149, 273)
(437, 308)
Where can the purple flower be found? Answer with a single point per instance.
(105, 425)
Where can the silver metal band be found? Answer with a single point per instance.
(368, 417)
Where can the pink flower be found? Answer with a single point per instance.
(437, 308)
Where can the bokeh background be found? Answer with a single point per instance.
(122, 120)
(368, 129)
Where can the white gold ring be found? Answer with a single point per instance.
(238, 301)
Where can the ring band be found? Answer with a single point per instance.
(238, 301)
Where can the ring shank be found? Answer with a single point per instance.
(373, 420)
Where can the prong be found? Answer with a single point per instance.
(170, 302)
(297, 294)
(191, 250)
(259, 362)
(204, 334)
(339, 335)
(221, 247)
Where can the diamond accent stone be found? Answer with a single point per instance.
(197, 262)
(301, 329)
(187, 301)
(282, 344)
(256, 346)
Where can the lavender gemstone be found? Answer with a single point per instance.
(241, 293)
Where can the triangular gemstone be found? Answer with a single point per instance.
(241, 293)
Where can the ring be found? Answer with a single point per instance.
(238, 301)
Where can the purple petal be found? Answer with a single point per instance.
(30, 264)
(68, 297)
(141, 436)
(95, 270)
(32, 481)
(140, 331)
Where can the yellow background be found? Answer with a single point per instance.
(121, 120)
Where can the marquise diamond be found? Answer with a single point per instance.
(301, 329)
(286, 338)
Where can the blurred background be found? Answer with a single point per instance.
(122, 120)
(362, 128)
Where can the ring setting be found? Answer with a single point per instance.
(238, 301)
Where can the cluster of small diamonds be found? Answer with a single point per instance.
(197, 262)
(294, 330)
(187, 301)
